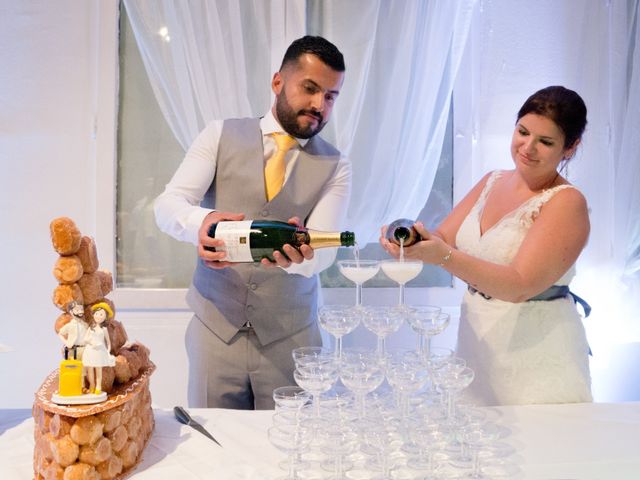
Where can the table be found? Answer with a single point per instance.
(552, 442)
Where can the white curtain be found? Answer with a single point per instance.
(626, 145)
(212, 59)
(390, 119)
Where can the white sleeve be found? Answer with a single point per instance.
(329, 215)
(177, 209)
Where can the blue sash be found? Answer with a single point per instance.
(552, 293)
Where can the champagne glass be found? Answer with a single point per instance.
(382, 439)
(427, 321)
(407, 374)
(431, 440)
(359, 271)
(338, 320)
(290, 397)
(361, 373)
(337, 442)
(452, 377)
(289, 439)
(317, 377)
(401, 272)
(382, 321)
(305, 355)
(476, 439)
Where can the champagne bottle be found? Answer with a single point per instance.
(402, 230)
(253, 240)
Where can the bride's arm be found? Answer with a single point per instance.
(551, 246)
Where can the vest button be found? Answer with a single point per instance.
(265, 213)
(250, 308)
(253, 286)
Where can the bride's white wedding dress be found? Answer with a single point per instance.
(522, 353)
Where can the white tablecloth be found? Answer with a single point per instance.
(560, 442)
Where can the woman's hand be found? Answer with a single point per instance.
(431, 249)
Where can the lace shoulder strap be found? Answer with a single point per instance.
(487, 187)
(531, 209)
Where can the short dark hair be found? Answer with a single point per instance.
(565, 107)
(318, 46)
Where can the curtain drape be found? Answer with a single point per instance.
(390, 118)
(624, 284)
(627, 149)
(402, 62)
(212, 59)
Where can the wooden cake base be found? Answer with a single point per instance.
(92, 442)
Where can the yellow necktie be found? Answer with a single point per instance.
(274, 169)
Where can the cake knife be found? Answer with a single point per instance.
(183, 417)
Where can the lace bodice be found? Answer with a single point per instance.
(500, 243)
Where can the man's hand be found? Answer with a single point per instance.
(214, 259)
(293, 255)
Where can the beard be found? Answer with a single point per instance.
(288, 118)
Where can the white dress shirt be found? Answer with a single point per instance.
(179, 214)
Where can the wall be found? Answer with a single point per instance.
(47, 111)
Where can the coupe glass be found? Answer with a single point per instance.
(305, 355)
(359, 271)
(476, 439)
(382, 439)
(361, 373)
(338, 320)
(401, 272)
(452, 377)
(382, 321)
(290, 397)
(427, 321)
(290, 439)
(407, 374)
(431, 439)
(337, 443)
(317, 377)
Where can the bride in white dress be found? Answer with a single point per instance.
(514, 239)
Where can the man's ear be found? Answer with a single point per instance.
(277, 82)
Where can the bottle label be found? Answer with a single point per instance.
(236, 238)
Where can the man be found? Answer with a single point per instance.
(248, 317)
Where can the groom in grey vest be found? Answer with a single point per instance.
(249, 317)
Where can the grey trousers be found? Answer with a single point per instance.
(241, 374)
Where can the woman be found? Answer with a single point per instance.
(98, 347)
(514, 240)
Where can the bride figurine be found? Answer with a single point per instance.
(98, 346)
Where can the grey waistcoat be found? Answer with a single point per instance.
(276, 303)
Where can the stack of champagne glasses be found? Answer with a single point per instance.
(384, 413)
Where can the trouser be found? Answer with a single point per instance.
(241, 374)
